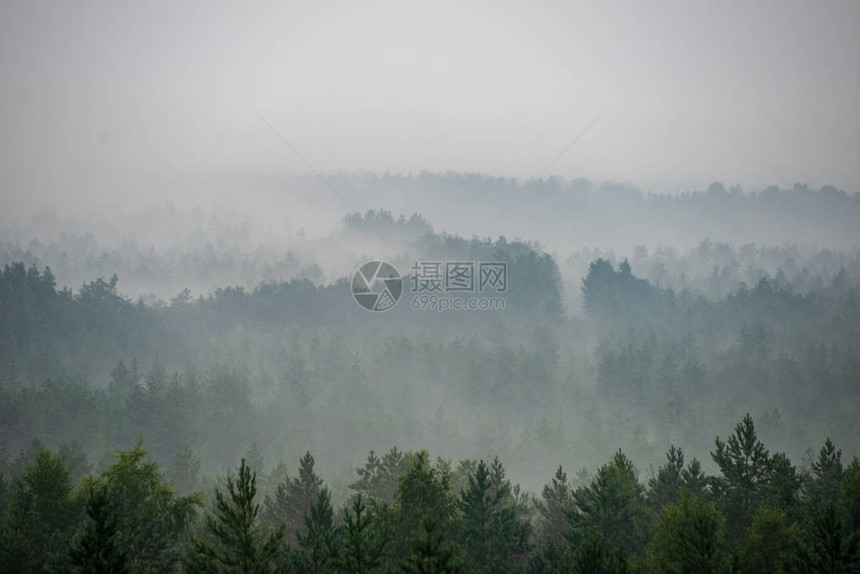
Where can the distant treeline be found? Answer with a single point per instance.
(643, 368)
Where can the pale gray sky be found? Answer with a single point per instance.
(106, 97)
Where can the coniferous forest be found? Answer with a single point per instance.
(429, 287)
(631, 426)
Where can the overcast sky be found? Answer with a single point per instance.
(100, 97)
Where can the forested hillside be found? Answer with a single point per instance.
(128, 416)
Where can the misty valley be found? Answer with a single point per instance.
(183, 389)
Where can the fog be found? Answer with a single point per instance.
(187, 192)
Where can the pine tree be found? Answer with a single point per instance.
(770, 543)
(235, 541)
(423, 490)
(612, 505)
(42, 515)
(557, 501)
(665, 488)
(432, 553)
(689, 538)
(369, 476)
(595, 556)
(293, 499)
(493, 534)
(363, 549)
(829, 460)
(833, 550)
(319, 540)
(783, 488)
(826, 475)
(746, 467)
(393, 467)
(98, 551)
(477, 504)
(694, 480)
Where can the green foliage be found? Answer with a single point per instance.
(832, 550)
(432, 552)
(319, 540)
(293, 499)
(770, 544)
(363, 549)
(152, 521)
(612, 505)
(689, 538)
(98, 550)
(378, 478)
(783, 487)
(746, 469)
(424, 490)
(850, 494)
(596, 556)
(235, 541)
(665, 488)
(41, 517)
(557, 502)
(493, 536)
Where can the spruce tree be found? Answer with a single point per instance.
(689, 538)
(613, 506)
(319, 539)
(493, 535)
(770, 543)
(423, 490)
(833, 550)
(98, 551)
(432, 552)
(746, 468)
(596, 556)
(665, 488)
(41, 517)
(362, 548)
(694, 480)
(293, 499)
(557, 501)
(235, 541)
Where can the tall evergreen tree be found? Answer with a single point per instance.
(832, 550)
(152, 519)
(319, 539)
(694, 479)
(363, 548)
(432, 552)
(613, 506)
(379, 477)
(42, 515)
(98, 551)
(493, 535)
(557, 502)
(665, 488)
(746, 468)
(596, 556)
(689, 538)
(293, 499)
(770, 543)
(423, 490)
(235, 541)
